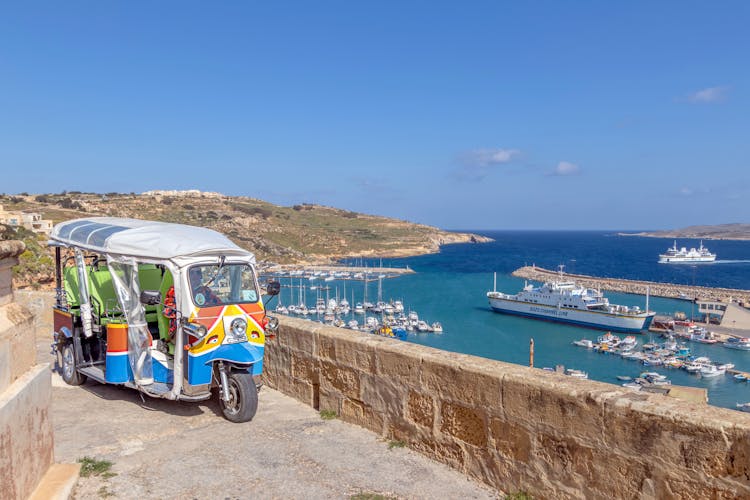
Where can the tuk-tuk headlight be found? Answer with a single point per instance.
(237, 331)
(196, 330)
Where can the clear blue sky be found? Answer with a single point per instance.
(538, 115)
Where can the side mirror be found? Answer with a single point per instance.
(273, 288)
(150, 297)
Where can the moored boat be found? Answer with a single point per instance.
(566, 302)
(741, 343)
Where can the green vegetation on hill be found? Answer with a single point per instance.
(304, 233)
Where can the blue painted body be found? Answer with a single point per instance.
(200, 367)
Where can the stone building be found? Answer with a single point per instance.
(29, 220)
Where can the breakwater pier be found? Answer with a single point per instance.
(668, 290)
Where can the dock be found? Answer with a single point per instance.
(668, 290)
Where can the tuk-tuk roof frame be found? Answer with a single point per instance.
(144, 239)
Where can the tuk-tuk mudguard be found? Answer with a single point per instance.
(244, 354)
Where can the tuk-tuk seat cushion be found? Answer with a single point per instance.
(149, 278)
(71, 286)
(103, 290)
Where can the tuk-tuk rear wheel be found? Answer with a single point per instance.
(243, 398)
(69, 369)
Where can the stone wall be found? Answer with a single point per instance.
(515, 428)
(26, 438)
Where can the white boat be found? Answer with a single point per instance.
(742, 343)
(633, 386)
(709, 371)
(566, 302)
(437, 327)
(422, 326)
(359, 308)
(588, 344)
(352, 324)
(683, 255)
(576, 373)
(743, 407)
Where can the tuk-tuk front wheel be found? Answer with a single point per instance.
(69, 369)
(243, 397)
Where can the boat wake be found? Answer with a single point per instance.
(728, 261)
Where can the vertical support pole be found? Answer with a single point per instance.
(494, 284)
(531, 353)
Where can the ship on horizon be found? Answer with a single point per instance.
(685, 256)
(565, 302)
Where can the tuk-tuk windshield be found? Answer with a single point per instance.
(215, 285)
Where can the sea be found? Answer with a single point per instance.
(450, 287)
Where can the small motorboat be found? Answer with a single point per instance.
(588, 344)
(743, 407)
(624, 378)
(576, 373)
(740, 377)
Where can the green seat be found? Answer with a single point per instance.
(149, 278)
(166, 283)
(72, 287)
(104, 303)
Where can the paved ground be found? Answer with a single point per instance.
(164, 449)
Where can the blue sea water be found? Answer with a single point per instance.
(450, 287)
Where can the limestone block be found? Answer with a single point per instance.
(329, 400)
(338, 378)
(463, 378)
(352, 349)
(510, 440)
(359, 413)
(403, 365)
(383, 395)
(297, 334)
(420, 409)
(26, 436)
(17, 333)
(556, 402)
(304, 367)
(464, 423)
(701, 439)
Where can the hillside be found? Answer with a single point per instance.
(736, 231)
(299, 234)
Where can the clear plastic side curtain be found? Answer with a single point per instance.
(125, 278)
(83, 286)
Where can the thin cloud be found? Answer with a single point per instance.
(709, 95)
(565, 168)
(686, 191)
(479, 163)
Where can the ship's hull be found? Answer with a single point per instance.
(684, 260)
(590, 319)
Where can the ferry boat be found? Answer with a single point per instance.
(566, 302)
(741, 343)
(683, 255)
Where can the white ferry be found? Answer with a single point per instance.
(565, 302)
(683, 255)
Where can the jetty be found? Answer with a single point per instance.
(668, 290)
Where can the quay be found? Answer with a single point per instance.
(668, 290)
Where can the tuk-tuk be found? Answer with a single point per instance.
(167, 309)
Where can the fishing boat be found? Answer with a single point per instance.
(709, 371)
(741, 343)
(576, 373)
(564, 301)
(685, 256)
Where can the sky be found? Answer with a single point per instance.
(463, 115)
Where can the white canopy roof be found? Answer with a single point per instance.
(142, 238)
